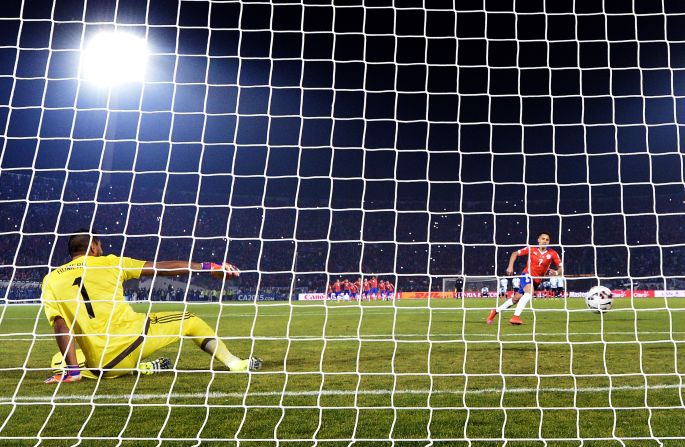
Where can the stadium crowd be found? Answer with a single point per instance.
(291, 250)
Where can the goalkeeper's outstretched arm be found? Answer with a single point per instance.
(173, 268)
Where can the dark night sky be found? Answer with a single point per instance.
(494, 108)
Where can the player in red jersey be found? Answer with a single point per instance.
(373, 291)
(381, 290)
(390, 290)
(336, 289)
(346, 289)
(352, 288)
(367, 289)
(537, 266)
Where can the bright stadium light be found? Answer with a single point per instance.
(114, 58)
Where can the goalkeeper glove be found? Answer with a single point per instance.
(70, 374)
(218, 270)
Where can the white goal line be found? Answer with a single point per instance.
(380, 392)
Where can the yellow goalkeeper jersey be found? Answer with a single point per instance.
(88, 293)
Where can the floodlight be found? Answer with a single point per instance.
(114, 58)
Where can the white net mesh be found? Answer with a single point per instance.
(328, 151)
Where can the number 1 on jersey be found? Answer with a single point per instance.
(86, 298)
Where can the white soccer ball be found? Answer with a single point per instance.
(599, 299)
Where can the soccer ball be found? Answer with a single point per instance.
(599, 299)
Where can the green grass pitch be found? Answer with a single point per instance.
(380, 374)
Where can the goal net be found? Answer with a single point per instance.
(370, 167)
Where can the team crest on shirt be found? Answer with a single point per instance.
(549, 256)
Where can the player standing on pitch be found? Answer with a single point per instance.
(537, 266)
(83, 299)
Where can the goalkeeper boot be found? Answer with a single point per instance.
(516, 320)
(153, 367)
(65, 378)
(491, 317)
(251, 364)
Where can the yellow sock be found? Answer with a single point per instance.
(217, 348)
(204, 337)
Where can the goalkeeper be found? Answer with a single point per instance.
(84, 302)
